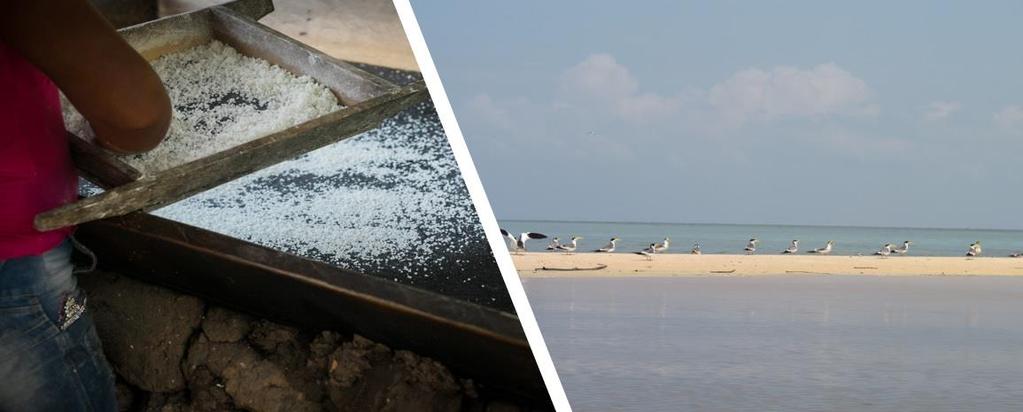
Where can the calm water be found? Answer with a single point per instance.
(716, 238)
(816, 343)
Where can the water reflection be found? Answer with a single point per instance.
(785, 343)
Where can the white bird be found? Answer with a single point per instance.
(1016, 255)
(904, 249)
(663, 246)
(554, 244)
(649, 251)
(519, 244)
(609, 247)
(823, 250)
(974, 249)
(793, 248)
(570, 247)
(885, 250)
(751, 247)
(696, 249)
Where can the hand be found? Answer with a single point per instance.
(109, 83)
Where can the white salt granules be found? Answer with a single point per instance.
(390, 199)
(222, 99)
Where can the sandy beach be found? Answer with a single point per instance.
(535, 264)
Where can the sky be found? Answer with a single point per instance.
(819, 113)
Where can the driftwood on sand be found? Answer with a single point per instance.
(598, 267)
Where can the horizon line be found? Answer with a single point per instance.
(758, 224)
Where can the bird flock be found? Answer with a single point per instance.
(518, 245)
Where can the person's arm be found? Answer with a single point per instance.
(99, 72)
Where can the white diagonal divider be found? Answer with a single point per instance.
(479, 199)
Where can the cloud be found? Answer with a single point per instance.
(602, 94)
(600, 80)
(853, 143)
(600, 76)
(938, 110)
(1010, 117)
(647, 106)
(752, 94)
(755, 94)
(483, 108)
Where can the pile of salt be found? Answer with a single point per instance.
(222, 99)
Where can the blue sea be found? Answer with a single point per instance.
(732, 238)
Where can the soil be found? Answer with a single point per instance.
(173, 352)
(145, 329)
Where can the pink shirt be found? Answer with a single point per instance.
(36, 173)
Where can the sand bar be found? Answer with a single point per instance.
(628, 264)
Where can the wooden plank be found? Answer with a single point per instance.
(99, 165)
(477, 342)
(124, 13)
(155, 38)
(253, 9)
(176, 183)
(169, 34)
(350, 84)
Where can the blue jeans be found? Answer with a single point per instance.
(50, 356)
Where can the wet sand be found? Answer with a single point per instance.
(539, 264)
